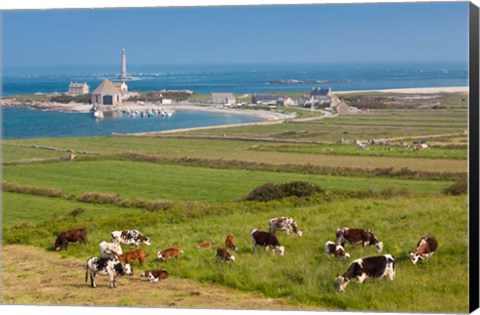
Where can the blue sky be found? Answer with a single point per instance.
(403, 32)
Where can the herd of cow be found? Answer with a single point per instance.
(113, 262)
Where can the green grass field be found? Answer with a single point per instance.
(305, 274)
(198, 183)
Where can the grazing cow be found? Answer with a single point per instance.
(420, 147)
(230, 242)
(361, 145)
(224, 255)
(132, 237)
(110, 250)
(370, 267)
(136, 254)
(332, 248)
(106, 266)
(358, 236)
(425, 249)
(155, 275)
(283, 224)
(205, 244)
(266, 239)
(168, 253)
(76, 235)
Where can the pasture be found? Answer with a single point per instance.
(187, 188)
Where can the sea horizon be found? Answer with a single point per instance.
(242, 78)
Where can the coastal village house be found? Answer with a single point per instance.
(77, 88)
(224, 98)
(320, 96)
(107, 94)
(121, 86)
(267, 99)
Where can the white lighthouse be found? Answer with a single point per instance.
(123, 76)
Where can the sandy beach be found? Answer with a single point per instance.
(85, 108)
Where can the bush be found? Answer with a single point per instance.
(32, 190)
(459, 187)
(76, 212)
(270, 191)
(100, 198)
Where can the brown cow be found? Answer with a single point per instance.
(155, 275)
(224, 255)
(426, 247)
(332, 248)
(136, 254)
(206, 244)
(358, 236)
(76, 235)
(230, 242)
(168, 253)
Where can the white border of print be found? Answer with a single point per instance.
(67, 4)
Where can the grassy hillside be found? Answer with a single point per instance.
(305, 274)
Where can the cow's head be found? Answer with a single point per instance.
(58, 244)
(280, 250)
(146, 241)
(342, 283)
(340, 252)
(414, 258)
(299, 233)
(231, 258)
(127, 269)
(160, 256)
(379, 246)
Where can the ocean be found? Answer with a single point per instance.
(204, 79)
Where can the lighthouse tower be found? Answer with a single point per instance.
(123, 76)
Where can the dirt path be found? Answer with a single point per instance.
(32, 276)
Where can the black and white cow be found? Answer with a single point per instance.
(106, 266)
(266, 239)
(370, 267)
(332, 248)
(358, 236)
(283, 224)
(426, 246)
(127, 237)
(110, 250)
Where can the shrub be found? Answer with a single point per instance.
(76, 212)
(460, 186)
(100, 198)
(270, 191)
(32, 190)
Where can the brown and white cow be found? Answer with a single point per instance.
(127, 237)
(168, 253)
(283, 224)
(230, 242)
(70, 236)
(205, 244)
(266, 239)
(332, 248)
(358, 236)
(426, 247)
(370, 267)
(224, 255)
(155, 275)
(136, 254)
